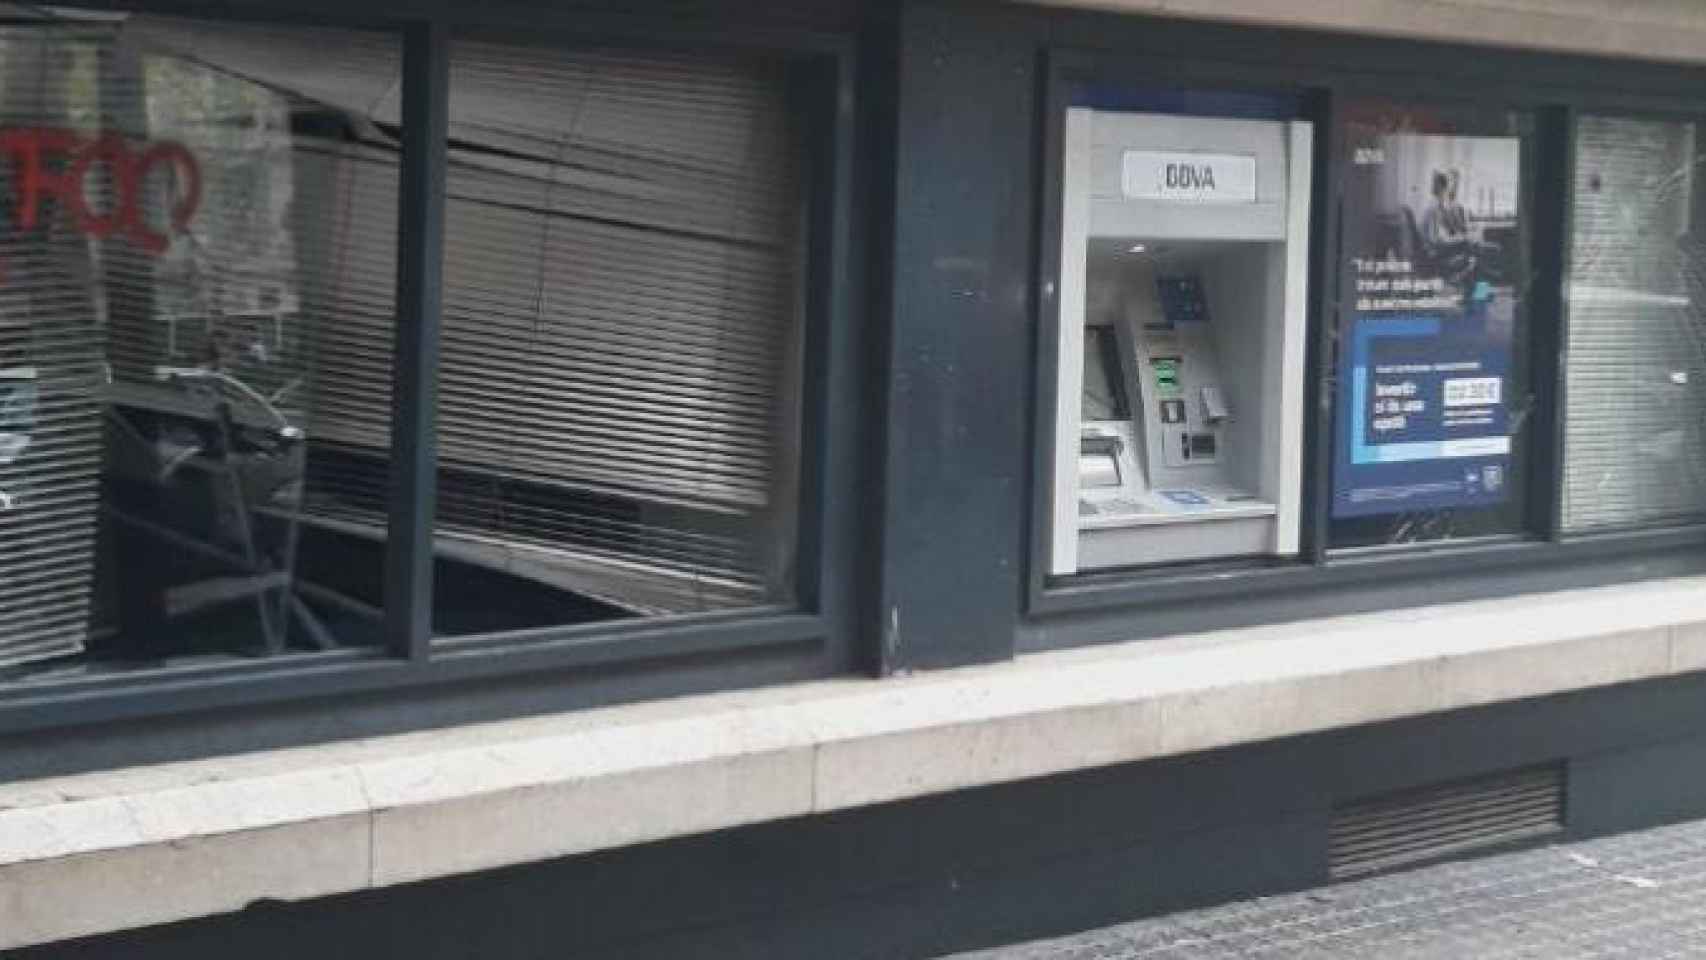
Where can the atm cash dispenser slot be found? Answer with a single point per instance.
(1179, 414)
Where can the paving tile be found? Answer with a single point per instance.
(1637, 895)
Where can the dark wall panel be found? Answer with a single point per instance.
(992, 865)
(1629, 789)
(959, 386)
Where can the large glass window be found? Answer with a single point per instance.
(197, 224)
(619, 396)
(1431, 395)
(1635, 410)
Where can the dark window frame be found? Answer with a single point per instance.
(1081, 608)
(814, 634)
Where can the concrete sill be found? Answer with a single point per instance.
(1639, 29)
(105, 851)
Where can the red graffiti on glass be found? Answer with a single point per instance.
(56, 163)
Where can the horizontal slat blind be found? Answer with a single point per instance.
(359, 74)
(241, 258)
(620, 317)
(349, 201)
(52, 344)
(618, 281)
(1635, 446)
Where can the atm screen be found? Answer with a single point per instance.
(1104, 388)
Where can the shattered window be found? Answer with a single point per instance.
(189, 325)
(1635, 399)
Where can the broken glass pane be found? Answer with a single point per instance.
(1637, 360)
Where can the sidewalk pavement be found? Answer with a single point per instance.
(1636, 895)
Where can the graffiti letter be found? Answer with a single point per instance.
(179, 160)
(122, 207)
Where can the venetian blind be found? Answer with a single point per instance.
(1635, 444)
(97, 304)
(620, 315)
(52, 342)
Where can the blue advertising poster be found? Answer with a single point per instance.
(1424, 419)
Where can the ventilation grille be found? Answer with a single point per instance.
(1418, 825)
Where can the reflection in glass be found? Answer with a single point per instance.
(185, 328)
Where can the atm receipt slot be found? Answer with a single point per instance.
(1214, 405)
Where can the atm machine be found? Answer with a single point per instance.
(1179, 413)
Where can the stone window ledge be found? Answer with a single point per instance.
(97, 852)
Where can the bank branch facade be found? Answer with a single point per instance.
(835, 479)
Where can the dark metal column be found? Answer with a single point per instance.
(414, 395)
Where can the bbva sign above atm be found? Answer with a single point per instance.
(1188, 177)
